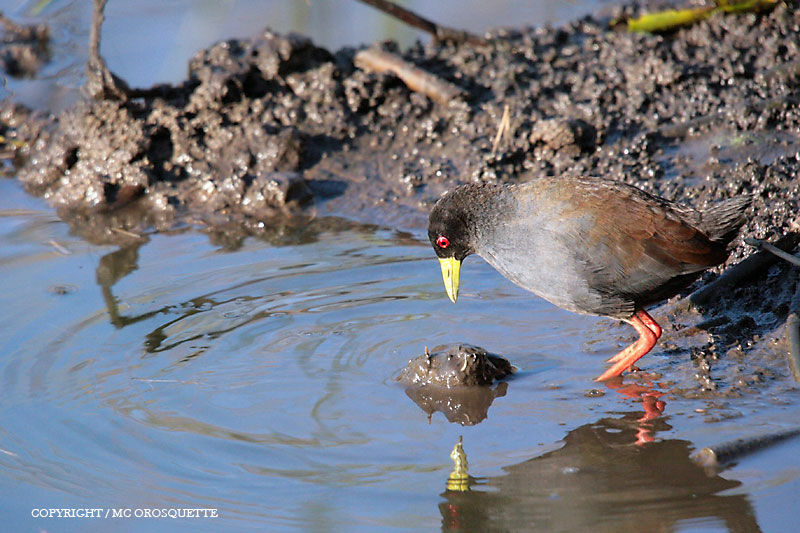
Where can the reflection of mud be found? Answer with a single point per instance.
(114, 266)
(598, 481)
(467, 406)
(456, 380)
(23, 49)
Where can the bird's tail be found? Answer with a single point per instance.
(721, 221)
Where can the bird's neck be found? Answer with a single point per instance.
(488, 212)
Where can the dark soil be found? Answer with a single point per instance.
(267, 128)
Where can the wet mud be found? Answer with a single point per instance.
(272, 128)
(458, 365)
(456, 380)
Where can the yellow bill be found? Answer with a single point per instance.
(451, 272)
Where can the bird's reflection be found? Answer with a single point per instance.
(649, 396)
(602, 479)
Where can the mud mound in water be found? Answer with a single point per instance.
(457, 381)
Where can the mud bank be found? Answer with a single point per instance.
(276, 122)
(269, 128)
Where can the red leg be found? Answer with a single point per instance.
(649, 332)
(651, 324)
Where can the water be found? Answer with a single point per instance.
(249, 381)
(258, 380)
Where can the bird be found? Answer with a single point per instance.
(590, 245)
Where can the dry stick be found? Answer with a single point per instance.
(746, 269)
(101, 83)
(763, 245)
(440, 33)
(415, 78)
(714, 457)
(503, 128)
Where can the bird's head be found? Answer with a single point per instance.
(449, 233)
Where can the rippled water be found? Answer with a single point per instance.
(259, 382)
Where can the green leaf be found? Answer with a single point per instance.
(669, 19)
(674, 18)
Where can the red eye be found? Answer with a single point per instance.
(442, 241)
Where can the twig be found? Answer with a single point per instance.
(746, 269)
(60, 249)
(101, 83)
(127, 233)
(714, 457)
(503, 128)
(422, 81)
(793, 320)
(440, 33)
(10, 25)
(763, 245)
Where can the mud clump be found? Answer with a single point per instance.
(582, 98)
(574, 135)
(456, 381)
(210, 146)
(458, 365)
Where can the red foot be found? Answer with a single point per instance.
(649, 332)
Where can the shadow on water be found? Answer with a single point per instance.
(595, 480)
(120, 263)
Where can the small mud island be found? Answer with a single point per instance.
(456, 380)
(459, 365)
(267, 129)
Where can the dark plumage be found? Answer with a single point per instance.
(588, 245)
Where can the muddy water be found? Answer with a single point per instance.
(259, 382)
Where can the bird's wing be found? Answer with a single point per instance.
(640, 230)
